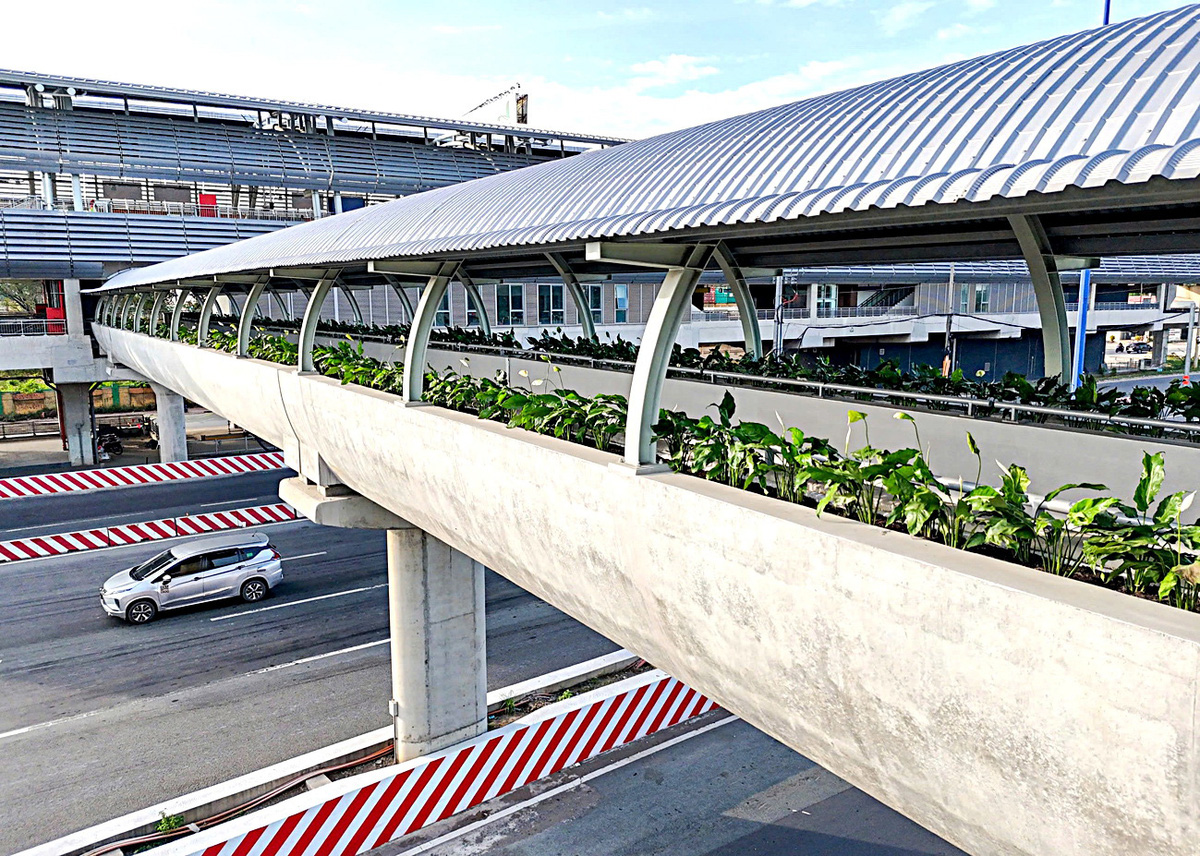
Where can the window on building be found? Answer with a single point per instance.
(550, 304)
(442, 317)
(622, 303)
(595, 303)
(975, 298)
(510, 305)
(827, 296)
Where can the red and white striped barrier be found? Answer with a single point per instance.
(380, 806)
(149, 530)
(137, 474)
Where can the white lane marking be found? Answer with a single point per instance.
(81, 520)
(319, 657)
(297, 602)
(303, 556)
(232, 501)
(553, 792)
(40, 725)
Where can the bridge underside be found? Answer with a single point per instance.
(1008, 711)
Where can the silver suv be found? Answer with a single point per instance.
(240, 565)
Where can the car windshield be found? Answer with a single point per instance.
(151, 566)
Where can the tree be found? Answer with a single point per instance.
(21, 295)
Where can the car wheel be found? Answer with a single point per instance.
(254, 590)
(141, 612)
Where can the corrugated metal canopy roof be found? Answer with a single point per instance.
(1116, 106)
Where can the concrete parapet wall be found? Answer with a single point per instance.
(1008, 710)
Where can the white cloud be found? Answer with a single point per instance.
(980, 5)
(903, 15)
(956, 31)
(676, 68)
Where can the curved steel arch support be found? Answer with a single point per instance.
(1047, 288)
(747, 311)
(102, 310)
(418, 335)
(127, 310)
(206, 311)
(138, 307)
(473, 295)
(185, 294)
(402, 295)
(246, 321)
(654, 357)
(160, 298)
(283, 307)
(582, 308)
(353, 301)
(308, 327)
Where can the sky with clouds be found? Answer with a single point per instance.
(628, 69)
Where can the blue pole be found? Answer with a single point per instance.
(1085, 299)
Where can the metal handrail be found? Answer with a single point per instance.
(33, 327)
(158, 208)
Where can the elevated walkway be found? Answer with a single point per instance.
(933, 679)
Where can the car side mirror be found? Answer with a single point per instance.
(166, 579)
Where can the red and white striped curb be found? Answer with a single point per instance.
(148, 530)
(383, 805)
(137, 474)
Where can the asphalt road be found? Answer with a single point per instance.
(98, 717)
(727, 791)
(92, 509)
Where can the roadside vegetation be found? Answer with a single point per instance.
(1144, 546)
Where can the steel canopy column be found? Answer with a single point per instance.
(473, 295)
(206, 310)
(138, 306)
(653, 359)
(177, 313)
(353, 301)
(1047, 288)
(418, 334)
(246, 322)
(571, 281)
(283, 307)
(127, 309)
(402, 295)
(160, 298)
(747, 311)
(308, 327)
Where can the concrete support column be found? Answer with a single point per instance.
(316, 203)
(1158, 345)
(439, 664)
(812, 299)
(172, 425)
(48, 189)
(73, 306)
(337, 202)
(76, 193)
(75, 416)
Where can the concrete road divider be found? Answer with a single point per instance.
(364, 811)
(222, 797)
(42, 546)
(138, 474)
